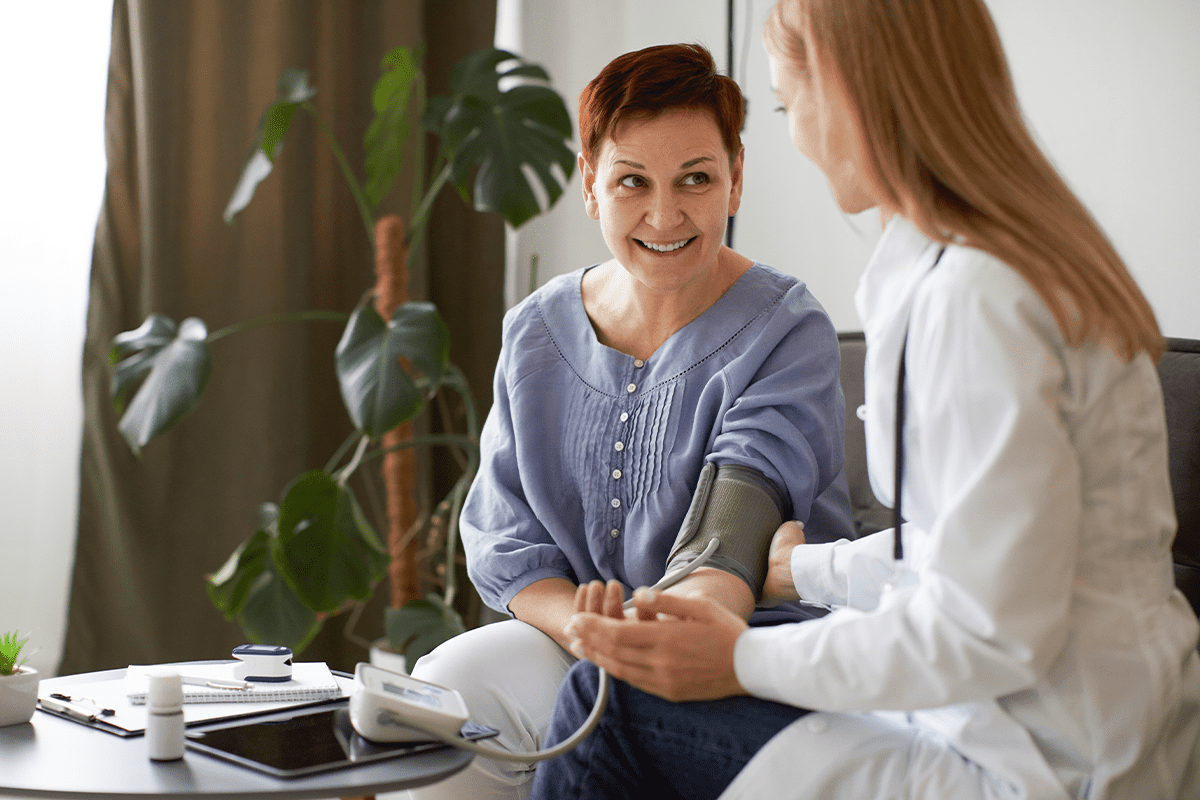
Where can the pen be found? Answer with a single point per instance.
(215, 684)
(72, 711)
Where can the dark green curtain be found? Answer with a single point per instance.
(188, 80)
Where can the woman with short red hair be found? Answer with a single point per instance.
(619, 384)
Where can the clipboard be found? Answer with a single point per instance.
(90, 696)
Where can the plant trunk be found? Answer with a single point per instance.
(399, 466)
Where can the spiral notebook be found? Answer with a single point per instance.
(310, 681)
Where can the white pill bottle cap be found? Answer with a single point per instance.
(166, 690)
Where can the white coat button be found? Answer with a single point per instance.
(624, 416)
(619, 446)
(816, 724)
(861, 413)
(631, 388)
(614, 533)
(616, 474)
(637, 362)
(616, 502)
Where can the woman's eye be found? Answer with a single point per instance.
(780, 110)
(695, 179)
(633, 182)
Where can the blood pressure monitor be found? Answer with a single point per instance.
(381, 702)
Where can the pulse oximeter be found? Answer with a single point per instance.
(263, 662)
(382, 702)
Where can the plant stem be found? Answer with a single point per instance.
(416, 228)
(348, 470)
(447, 439)
(341, 451)
(273, 319)
(458, 381)
(364, 210)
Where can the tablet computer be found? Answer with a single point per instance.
(305, 741)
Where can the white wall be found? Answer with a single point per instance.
(1111, 89)
(53, 73)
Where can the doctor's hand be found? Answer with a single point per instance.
(680, 648)
(779, 587)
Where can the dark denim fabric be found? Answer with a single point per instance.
(647, 747)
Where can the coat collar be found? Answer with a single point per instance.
(902, 258)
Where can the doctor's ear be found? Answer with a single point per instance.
(590, 204)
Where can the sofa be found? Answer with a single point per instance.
(1179, 371)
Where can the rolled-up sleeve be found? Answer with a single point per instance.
(506, 545)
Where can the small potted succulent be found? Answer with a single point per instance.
(18, 683)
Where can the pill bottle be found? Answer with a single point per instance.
(164, 720)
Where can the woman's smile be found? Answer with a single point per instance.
(667, 248)
(663, 189)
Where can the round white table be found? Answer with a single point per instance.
(54, 757)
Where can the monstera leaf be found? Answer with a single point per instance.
(250, 589)
(292, 91)
(378, 393)
(175, 362)
(509, 135)
(385, 138)
(325, 549)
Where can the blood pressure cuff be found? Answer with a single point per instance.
(741, 507)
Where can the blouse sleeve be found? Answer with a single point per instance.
(985, 611)
(788, 420)
(506, 546)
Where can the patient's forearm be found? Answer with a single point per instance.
(546, 605)
(727, 589)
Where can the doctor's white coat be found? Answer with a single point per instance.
(1032, 643)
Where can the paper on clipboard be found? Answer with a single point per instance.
(310, 681)
(129, 719)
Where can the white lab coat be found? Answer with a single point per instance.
(1032, 644)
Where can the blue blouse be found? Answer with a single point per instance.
(590, 457)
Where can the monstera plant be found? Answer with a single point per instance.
(315, 553)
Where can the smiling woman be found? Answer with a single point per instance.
(619, 383)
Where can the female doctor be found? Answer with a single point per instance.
(1030, 642)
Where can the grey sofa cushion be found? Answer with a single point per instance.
(1179, 372)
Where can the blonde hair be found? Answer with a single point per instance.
(946, 146)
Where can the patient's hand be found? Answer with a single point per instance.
(681, 649)
(779, 587)
(601, 598)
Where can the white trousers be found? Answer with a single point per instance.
(508, 673)
(831, 756)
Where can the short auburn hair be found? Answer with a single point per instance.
(650, 82)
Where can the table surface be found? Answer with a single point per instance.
(54, 757)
